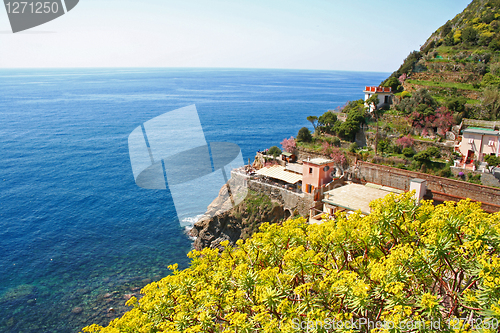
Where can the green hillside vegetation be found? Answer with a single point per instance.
(460, 60)
(403, 265)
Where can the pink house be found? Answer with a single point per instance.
(316, 172)
(478, 142)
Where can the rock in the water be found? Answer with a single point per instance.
(77, 310)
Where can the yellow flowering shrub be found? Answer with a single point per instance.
(402, 264)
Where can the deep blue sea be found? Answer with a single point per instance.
(77, 235)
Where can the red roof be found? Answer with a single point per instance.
(378, 89)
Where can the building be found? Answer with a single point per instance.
(356, 197)
(288, 157)
(384, 96)
(477, 142)
(316, 173)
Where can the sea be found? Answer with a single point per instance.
(78, 237)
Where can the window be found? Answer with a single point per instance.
(386, 99)
(471, 141)
(310, 170)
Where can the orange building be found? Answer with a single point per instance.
(316, 172)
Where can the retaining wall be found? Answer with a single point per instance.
(438, 188)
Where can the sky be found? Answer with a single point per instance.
(351, 35)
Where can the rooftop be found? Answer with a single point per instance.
(357, 197)
(318, 161)
(378, 89)
(279, 172)
(481, 130)
(294, 167)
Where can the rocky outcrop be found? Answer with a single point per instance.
(221, 223)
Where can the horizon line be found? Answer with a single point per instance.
(204, 68)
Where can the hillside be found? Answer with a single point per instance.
(459, 64)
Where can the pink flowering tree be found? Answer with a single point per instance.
(402, 78)
(289, 145)
(443, 121)
(405, 142)
(326, 149)
(338, 157)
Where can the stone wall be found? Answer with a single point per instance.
(295, 202)
(439, 188)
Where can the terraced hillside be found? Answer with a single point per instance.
(459, 64)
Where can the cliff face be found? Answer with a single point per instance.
(238, 222)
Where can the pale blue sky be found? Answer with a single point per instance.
(356, 35)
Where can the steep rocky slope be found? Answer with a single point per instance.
(238, 222)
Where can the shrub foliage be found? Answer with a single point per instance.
(401, 263)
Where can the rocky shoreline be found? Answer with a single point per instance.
(222, 223)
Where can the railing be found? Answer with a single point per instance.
(378, 89)
(271, 182)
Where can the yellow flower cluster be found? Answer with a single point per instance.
(401, 264)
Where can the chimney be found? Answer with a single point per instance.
(420, 187)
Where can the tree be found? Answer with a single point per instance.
(491, 100)
(338, 157)
(446, 29)
(425, 156)
(393, 83)
(289, 145)
(408, 152)
(383, 146)
(304, 135)
(274, 151)
(327, 121)
(469, 35)
(313, 120)
(405, 142)
(403, 264)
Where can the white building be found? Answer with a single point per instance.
(384, 96)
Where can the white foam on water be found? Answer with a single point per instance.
(188, 223)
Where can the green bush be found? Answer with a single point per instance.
(474, 178)
(446, 172)
(383, 146)
(353, 147)
(423, 157)
(304, 135)
(434, 152)
(274, 151)
(408, 152)
(395, 149)
(335, 141)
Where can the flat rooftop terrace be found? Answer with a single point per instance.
(356, 197)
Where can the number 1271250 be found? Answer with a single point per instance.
(32, 7)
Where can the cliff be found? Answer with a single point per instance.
(241, 221)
